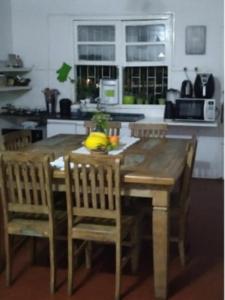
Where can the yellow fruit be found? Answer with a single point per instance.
(98, 133)
(96, 140)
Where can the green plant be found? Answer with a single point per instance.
(101, 120)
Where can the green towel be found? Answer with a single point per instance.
(63, 72)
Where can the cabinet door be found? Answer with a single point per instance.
(80, 129)
(57, 128)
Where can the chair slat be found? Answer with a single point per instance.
(148, 130)
(113, 127)
(93, 187)
(34, 187)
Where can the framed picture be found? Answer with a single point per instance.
(195, 40)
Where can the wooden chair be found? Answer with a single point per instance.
(27, 199)
(16, 140)
(94, 209)
(113, 127)
(180, 202)
(142, 130)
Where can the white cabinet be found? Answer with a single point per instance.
(12, 73)
(60, 126)
(55, 126)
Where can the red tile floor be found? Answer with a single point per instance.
(201, 279)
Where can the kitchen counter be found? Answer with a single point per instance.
(83, 116)
(178, 123)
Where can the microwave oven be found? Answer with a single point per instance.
(194, 109)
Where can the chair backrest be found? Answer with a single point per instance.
(16, 140)
(148, 130)
(113, 127)
(186, 179)
(25, 181)
(93, 186)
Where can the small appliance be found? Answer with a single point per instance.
(204, 85)
(172, 95)
(186, 89)
(108, 91)
(65, 107)
(195, 109)
(169, 110)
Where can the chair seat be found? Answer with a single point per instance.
(33, 224)
(99, 229)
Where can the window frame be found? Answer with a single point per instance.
(120, 62)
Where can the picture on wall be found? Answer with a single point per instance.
(195, 40)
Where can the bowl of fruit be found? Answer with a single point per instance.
(99, 142)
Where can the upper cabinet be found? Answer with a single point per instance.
(13, 79)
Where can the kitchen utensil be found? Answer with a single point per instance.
(186, 89)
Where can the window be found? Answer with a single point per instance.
(136, 52)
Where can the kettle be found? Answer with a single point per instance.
(186, 89)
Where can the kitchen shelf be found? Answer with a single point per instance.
(14, 88)
(14, 70)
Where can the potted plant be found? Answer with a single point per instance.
(101, 120)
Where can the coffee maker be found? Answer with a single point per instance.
(65, 107)
(204, 85)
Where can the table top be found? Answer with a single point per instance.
(155, 161)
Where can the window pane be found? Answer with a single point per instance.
(96, 33)
(96, 52)
(88, 78)
(145, 53)
(145, 33)
(147, 84)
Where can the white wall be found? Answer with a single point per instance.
(42, 35)
(30, 28)
(5, 29)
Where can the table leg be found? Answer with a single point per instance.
(160, 242)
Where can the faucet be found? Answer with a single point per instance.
(100, 106)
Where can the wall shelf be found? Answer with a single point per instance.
(13, 72)
(14, 88)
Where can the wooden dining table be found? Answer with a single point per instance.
(151, 168)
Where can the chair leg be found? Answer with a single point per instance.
(182, 255)
(118, 271)
(52, 264)
(33, 249)
(70, 265)
(8, 259)
(182, 241)
(88, 251)
(135, 247)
